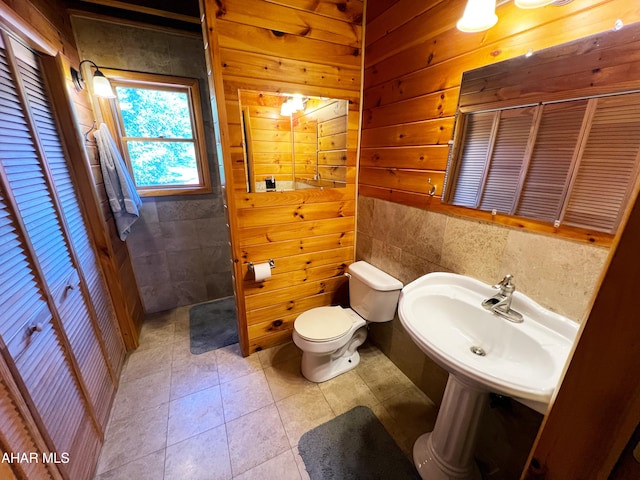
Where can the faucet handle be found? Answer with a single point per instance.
(506, 285)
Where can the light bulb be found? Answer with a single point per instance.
(101, 85)
(478, 15)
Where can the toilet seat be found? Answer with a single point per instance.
(323, 324)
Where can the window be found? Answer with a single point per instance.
(567, 162)
(160, 127)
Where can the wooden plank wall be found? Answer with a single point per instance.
(305, 149)
(414, 60)
(114, 255)
(50, 21)
(285, 46)
(333, 139)
(268, 135)
(600, 64)
(313, 140)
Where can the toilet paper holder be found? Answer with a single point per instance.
(272, 265)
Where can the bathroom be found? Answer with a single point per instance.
(384, 215)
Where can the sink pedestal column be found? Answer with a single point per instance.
(447, 452)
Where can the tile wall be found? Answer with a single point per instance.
(179, 247)
(409, 242)
(180, 251)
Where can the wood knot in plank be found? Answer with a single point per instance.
(306, 31)
(222, 10)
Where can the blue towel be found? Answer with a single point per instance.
(121, 191)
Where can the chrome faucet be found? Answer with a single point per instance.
(500, 303)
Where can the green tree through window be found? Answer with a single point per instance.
(161, 116)
(161, 133)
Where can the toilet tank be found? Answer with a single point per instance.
(373, 294)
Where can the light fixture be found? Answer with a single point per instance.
(101, 85)
(292, 104)
(532, 3)
(287, 108)
(297, 103)
(478, 15)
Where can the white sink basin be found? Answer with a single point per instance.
(442, 313)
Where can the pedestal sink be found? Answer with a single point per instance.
(483, 352)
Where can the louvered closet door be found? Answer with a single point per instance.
(72, 213)
(51, 339)
(21, 306)
(17, 434)
(29, 336)
(80, 322)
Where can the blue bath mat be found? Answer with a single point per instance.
(354, 446)
(213, 325)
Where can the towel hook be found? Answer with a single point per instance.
(86, 134)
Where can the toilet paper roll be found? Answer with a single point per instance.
(262, 271)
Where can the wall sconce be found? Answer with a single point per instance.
(292, 104)
(480, 15)
(101, 85)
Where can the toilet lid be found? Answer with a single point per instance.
(322, 324)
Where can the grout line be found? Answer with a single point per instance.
(224, 416)
(166, 435)
(260, 365)
(164, 463)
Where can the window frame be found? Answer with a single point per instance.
(113, 118)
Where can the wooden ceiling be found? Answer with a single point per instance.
(181, 15)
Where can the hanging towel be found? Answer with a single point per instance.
(121, 191)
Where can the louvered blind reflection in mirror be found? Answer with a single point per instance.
(569, 162)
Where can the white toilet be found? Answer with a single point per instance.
(330, 336)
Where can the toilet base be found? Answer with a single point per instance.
(319, 367)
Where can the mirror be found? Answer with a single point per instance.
(293, 142)
(562, 155)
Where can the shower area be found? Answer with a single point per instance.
(179, 247)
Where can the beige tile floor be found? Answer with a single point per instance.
(221, 416)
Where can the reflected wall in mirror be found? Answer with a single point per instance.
(293, 142)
